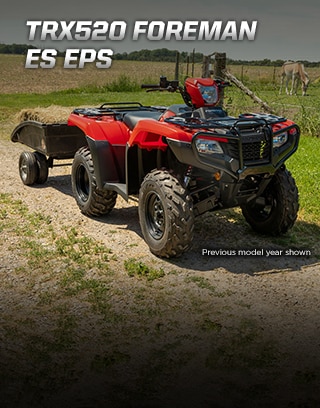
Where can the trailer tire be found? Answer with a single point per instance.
(278, 210)
(91, 200)
(43, 168)
(165, 214)
(28, 168)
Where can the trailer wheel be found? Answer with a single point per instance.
(43, 168)
(165, 214)
(28, 168)
(275, 212)
(91, 200)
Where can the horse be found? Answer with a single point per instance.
(295, 72)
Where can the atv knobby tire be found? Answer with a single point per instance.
(91, 200)
(275, 212)
(165, 214)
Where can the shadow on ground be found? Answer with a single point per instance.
(223, 240)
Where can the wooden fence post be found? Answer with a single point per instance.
(205, 66)
(193, 55)
(218, 72)
(176, 71)
(206, 72)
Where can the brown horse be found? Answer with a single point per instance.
(295, 72)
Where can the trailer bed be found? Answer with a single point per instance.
(56, 140)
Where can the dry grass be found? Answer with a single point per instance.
(51, 114)
(266, 74)
(15, 78)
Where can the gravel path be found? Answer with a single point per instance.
(275, 299)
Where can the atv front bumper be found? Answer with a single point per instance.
(238, 155)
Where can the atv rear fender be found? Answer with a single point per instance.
(122, 158)
(107, 142)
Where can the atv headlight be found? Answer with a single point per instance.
(209, 94)
(280, 139)
(208, 146)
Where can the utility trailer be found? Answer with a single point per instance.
(56, 141)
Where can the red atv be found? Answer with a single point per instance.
(182, 161)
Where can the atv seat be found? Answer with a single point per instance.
(132, 118)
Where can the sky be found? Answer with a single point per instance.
(286, 30)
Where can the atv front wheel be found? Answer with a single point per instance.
(165, 214)
(275, 212)
(91, 200)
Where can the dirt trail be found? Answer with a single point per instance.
(279, 293)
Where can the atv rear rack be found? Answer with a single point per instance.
(117, 108)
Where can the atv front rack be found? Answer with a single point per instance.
(226, 122)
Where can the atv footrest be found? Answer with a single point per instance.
(118, 187)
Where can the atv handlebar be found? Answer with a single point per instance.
(173, 86)
(143, 86)
(221, 83)
(164, 85)
(151, 88)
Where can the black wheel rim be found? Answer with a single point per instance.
(82, 183)
(263, 210)
(155, 216)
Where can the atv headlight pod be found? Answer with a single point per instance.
(208, 146)
(280, 139)
(209, 94)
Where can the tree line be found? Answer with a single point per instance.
(19, 49)
(160, 54)
(163, 54)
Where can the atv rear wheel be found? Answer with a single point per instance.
(165, 214)
(91, 200)
(275, 212)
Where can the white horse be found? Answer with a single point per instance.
(295, 72)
